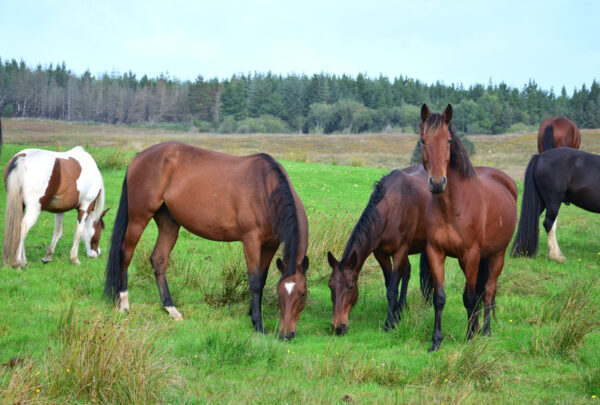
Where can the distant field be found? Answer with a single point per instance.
(543, 349)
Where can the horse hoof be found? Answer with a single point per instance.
(559, 259)
(46, 260)
(174, 313)
(92, 255)
(260, 328)
(76, 262)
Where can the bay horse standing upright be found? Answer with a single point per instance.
(219, 197)
(555, 132)
(471, 215)
(553, 177)
(40, 180)
(392, 227)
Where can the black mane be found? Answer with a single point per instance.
(285, 216)
(369, 221)
(459, 156)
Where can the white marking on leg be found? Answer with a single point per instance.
(289, 287)
(554, 252)
(124, 301)
(58, 222)
(174, 313)
(76, 239)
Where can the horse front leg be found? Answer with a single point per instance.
(436, 260)
(470, 265)
(58, 226)
(257, 279)
(81, 216)
(391, 285)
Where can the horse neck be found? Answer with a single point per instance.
(362, 251)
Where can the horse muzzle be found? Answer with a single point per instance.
(437, 187)
(341, 329)
(289, 336)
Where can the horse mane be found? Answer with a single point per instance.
(369, 220)
(285, 215)
(459, 156)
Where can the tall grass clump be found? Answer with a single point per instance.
(476, 363)
(574, 313)
(106, 360)
(229, 285)
(328, 232)
(112, 159)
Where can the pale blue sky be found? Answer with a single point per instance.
(553, 42)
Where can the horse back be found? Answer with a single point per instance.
(403, 209)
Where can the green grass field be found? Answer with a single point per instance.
(75, 348)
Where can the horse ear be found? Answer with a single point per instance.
(332, 260)
(279, 265)
(447, 116)
(425, 112)
(304, 265)
(104, 212)
(353, 261)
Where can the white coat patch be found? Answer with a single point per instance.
(289, 287)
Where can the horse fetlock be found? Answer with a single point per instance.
(258, 327)
(123, 303)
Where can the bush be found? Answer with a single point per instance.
(203, 126)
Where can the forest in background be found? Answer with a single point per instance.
(272, 103)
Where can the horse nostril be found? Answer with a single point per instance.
(281, 335)
(444, 181)
(340, 330)
(291, 335)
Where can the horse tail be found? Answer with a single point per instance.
(1, 142)
(14, 209)
(526, 241)
(548, 138)
(112, 284)
(425, 277)
(285, 221)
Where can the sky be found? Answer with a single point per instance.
(555, 43)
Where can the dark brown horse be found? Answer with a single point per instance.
(392, 226)
(218, 197)
(471, 215)
(555, 132)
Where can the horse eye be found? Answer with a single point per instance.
(422, 141)
(303, 294)
(450, 141)
(350, 287)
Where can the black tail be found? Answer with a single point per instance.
(1, 137)
(548, 138)
(425, 277)
(526, 241)
(115, 256)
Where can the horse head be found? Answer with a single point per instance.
(94, 229)
(292, 296)
(436, 141)
(344, 290)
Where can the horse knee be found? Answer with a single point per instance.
(469, 299)
(439, 299)
(159, 264)
(257, 283)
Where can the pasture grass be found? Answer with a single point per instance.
(544, 344)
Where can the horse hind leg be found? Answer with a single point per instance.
(495, 266)
(554, 252)
(58, 227)
(32, 213)
(168, 231)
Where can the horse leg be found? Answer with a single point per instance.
(436, 262)
(550, 223)
(168, 231)
(58, 223)
(29, 219)
(404, 289)
(496, 263)
(402, 269)
(256, 278)
(78, 231)
(391, 286)
(470, 265)
(134, 231)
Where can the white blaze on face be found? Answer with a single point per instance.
(289, 287)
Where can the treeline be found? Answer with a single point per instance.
(321, 103)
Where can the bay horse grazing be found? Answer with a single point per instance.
(551, 178)
(40, 180)
(219, 197)
(471, 215)
(555, 132)
(392, 226)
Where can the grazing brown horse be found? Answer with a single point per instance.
(471, 215)
(219, 197)
(555, 132)
(392, 226)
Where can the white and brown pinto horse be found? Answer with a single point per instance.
(41, 180)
